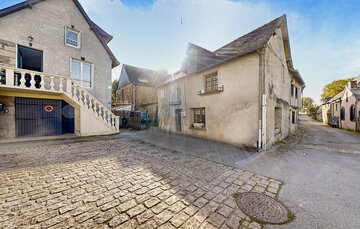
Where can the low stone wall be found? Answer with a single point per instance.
(7, 117)
(133, 119)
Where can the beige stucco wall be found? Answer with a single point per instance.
(347, 124)
(46, 22)
(231, 115)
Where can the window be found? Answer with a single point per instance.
(211, 82)
(352, 113)
(336, 107)
(199, 115)
(296, 92)
(292, 90)
(293, 118)
(81, 72)
(342, 113)
(72, 38)
(30, 59)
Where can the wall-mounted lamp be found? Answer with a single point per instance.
(72, 26)
(30, 38)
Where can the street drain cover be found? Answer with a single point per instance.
(262, 208)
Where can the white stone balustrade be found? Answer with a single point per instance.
(25, 79)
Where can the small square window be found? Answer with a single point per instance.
(72, 38)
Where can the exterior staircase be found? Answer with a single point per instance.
(91, 116)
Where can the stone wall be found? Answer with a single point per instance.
(7, 119)
(7, 53)
(124, 95)
(146, 100)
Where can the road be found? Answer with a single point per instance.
(321, 171)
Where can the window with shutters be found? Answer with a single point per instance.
(199, 115)
(211, 82)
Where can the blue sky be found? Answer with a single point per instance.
(324, 35)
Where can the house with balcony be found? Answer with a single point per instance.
(247, 92)
(55, 71)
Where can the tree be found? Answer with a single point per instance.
(334, 88)
(308, 103)
(114, 87)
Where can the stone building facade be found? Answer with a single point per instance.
(245, 93)
(137, 90)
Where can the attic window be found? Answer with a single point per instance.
(72, 37)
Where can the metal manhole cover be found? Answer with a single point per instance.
(262, 208)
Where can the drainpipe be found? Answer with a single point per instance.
(261, 89)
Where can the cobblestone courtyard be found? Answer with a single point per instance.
(122, 184)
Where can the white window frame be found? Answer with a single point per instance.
(74, 31)
(81, 72)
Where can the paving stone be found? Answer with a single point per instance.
(179, 219)
(119, 219)
(127, 205)
(163, 217)
(143, 217)
(136, 210)
(216, 219)
(151, 202)
(122, 184)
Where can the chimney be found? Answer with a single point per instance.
(192, 56)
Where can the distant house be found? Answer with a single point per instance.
(246, 92)
(331, 110)
(137, 90)
(55, 71)
(350, 106)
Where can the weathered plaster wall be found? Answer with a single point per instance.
(7, 53)
(231, 115)
(46, 22)
(7, 120)
(277, 89)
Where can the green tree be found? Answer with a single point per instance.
(114, 87)
(334, 88)
(308, 103)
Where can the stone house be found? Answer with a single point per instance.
(246, 92)
(350, 106)
(331, 110)
(55, 71)
(137, 90)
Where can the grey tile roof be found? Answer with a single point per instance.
(246, 44)
(103, 37)
(143, 76)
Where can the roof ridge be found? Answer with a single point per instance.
(264, 25)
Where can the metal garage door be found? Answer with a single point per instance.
(38, 117)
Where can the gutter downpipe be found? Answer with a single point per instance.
(261, 79)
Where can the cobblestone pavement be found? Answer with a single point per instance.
(122, 184)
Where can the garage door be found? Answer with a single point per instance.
(38, 117)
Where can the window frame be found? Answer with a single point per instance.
(92, 81)
(212, 82)
(74, 31)
(352, 113)
(202, 112)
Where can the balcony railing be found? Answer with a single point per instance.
(203, 92)
(14, 78)
(175, 102)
